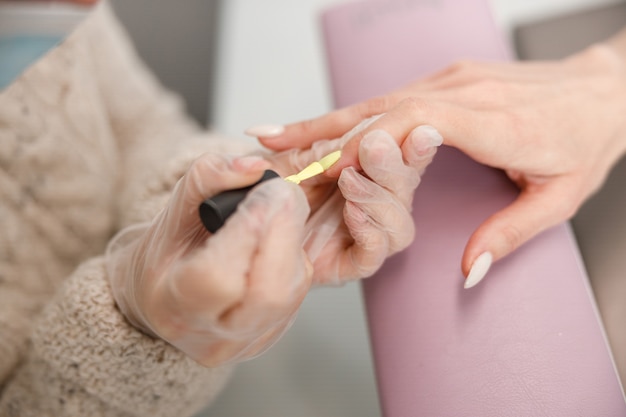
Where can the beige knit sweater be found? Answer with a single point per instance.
(89, 143)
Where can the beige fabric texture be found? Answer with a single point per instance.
(89, 143)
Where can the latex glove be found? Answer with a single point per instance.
(364, 217)
(224, 297)
(555, 127)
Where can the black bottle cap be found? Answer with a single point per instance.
(215, 210)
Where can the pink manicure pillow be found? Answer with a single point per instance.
(527, 341)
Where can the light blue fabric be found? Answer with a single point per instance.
(17, 52)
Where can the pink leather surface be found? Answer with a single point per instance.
(527, 341)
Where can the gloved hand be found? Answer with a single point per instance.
(224, 297)
(364, 217)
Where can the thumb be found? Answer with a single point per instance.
(537, 208)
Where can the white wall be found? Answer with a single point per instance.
(271, 70)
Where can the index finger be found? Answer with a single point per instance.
(400, 121)
(329, 126)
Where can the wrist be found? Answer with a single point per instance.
(604, 64)
(617, 46)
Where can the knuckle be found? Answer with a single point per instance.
(512, 237)
(374, 106)
(458, 66)
(230, 294)
(308, 126)
(207, 163)
(464, 67)
(492, 90)
(404, 237)
(414, 105)
(278, 300)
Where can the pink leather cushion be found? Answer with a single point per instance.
(527, 341)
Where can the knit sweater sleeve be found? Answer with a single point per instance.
(152, 130)
(86, 360)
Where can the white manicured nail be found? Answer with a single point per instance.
(265, 131)
(479, 269)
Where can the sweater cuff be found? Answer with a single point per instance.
(86, 340)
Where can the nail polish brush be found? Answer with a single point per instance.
(215, 210)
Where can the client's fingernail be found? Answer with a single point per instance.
(265, 131)
(425, 137)
(479, 269)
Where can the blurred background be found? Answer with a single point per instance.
(239, 63)
(245, 62)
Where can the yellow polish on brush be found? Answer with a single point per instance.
(315, 168)
(216, 209)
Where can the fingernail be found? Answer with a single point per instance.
(265, 131)
(425, 137)
(377, 142)
(377, 136)
(479, 269)
(248, 162)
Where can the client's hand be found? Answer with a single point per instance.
(364, 217)
(224, 297)
(555, 127)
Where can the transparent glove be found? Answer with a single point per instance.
(364, 217)
(224, 297)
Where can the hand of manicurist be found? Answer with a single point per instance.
(224, 297)
(363, 217)
(555, 127)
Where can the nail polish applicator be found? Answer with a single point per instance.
(214, 211)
